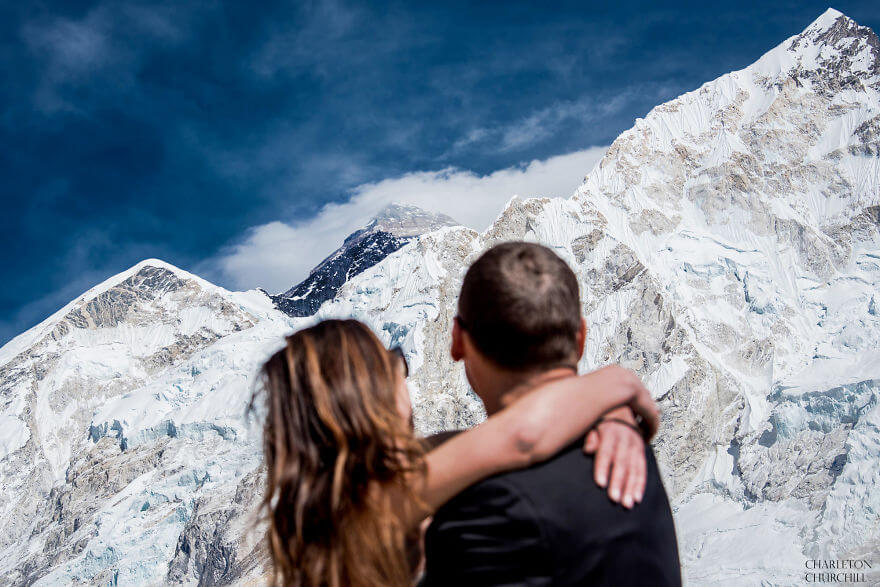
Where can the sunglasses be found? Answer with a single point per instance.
(398, 352)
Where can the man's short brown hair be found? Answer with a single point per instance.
(520, 305)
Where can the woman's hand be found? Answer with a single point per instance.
(620, 463)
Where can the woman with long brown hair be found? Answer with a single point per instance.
(346, 477)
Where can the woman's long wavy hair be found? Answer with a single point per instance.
(338, 456)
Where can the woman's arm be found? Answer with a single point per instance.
(531, 430)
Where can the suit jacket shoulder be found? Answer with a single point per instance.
(551, 524)
(489, 534)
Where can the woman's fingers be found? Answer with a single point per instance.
(635, 484)
(592, 442)
(620, 459)
(620, 472)
(630, 464)
(605, 454)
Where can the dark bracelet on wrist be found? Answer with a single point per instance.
(639, 430)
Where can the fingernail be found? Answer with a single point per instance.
(602, 481)
(639, 498)
(615, 495)
(628, 501)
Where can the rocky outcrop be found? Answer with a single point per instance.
(211, 549)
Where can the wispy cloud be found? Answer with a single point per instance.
(109, 40)
(544, 123)
(72, 46)
(318, 36)
(277, 255)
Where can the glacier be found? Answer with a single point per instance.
(728, 250)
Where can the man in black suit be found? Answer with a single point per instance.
(519, 324)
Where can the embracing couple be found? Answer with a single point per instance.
(556, 487)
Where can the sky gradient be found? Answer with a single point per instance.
(134, 130)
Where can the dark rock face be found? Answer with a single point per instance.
(394, 226)
(326, 279)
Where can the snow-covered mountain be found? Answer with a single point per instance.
(728, 249)
(394, 226)
(119, 412)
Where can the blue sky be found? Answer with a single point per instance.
(185, 130)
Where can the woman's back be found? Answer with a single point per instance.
(336, 451)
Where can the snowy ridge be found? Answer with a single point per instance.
(728, 250)
(30, 336)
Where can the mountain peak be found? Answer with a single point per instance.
(154, 262)
(391, 228)
(149, 273)
(828, 31)
(401, 220)
(827, 19)
(396, 208)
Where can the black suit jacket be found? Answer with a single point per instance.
(552, 525)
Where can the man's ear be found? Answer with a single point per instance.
(582, 338)
(457, 349)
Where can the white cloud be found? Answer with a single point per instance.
(278, 255)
